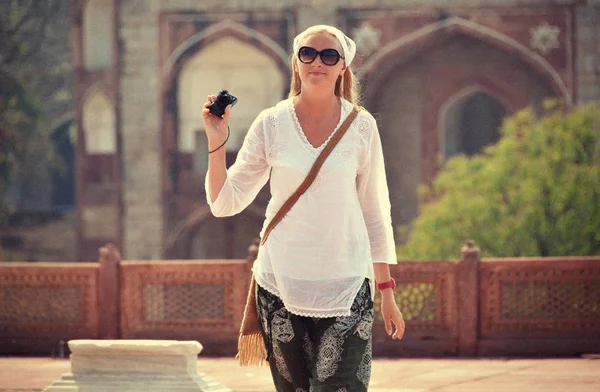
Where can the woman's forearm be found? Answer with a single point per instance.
(217, 172)
(382, 272)
(217, 133)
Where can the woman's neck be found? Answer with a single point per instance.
(318, 104)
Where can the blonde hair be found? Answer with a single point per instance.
(346, 86)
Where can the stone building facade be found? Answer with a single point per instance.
(439, 75)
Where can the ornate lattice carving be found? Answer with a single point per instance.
(49, 300)
(189, 301)
(544, 300)
(550, 300)
(182, 298)
(417, 301)
(425, 295)
(40, 305)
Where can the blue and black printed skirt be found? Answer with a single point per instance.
(311, 354)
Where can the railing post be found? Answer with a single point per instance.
(109, 295)
(468, 296)
(252, 255)
(253, 250)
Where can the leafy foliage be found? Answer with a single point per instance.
(534, 193)
(34, 81)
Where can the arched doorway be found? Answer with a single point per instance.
(256, 81)
(218, 238)
(470, 123)
(63, 174)
(205, 65)
(409, 94)
(202, 236)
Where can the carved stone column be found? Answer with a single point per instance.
(135, 365)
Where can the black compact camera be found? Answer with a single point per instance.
(220, 103)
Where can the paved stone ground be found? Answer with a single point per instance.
(398, 375)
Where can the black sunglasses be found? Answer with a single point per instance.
(307, 55)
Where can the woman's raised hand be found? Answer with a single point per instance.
(215, 126)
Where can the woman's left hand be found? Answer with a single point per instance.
(391, 314)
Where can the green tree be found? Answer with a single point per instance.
(34, 80)
(534, 193)
(35, 85)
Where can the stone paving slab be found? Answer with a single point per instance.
(397, 375)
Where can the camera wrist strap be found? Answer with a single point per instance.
(216, 149)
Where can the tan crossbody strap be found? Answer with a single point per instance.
(312, 174)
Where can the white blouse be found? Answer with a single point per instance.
(318, 256)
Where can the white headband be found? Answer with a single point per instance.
(348, 46)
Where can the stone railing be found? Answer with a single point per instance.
(469, 307)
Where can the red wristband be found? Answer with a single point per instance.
(391, 284)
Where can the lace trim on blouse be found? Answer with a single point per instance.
(300, 131)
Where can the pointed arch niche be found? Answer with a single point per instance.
(99, 138)
(99, 124)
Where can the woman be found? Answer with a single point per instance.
(315, 273)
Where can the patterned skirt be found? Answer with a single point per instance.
(318, 354)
